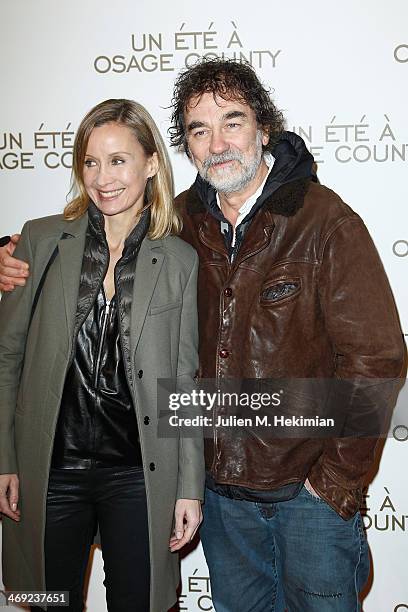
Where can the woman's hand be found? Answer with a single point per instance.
(9, 496)
(187, 518)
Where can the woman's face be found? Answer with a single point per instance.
(116, 169)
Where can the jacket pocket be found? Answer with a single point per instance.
(280, 290)
(154, 310)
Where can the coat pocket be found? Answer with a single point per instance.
(154, 310)
(280, 290)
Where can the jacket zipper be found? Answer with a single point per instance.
(97, 369)
(101, 343)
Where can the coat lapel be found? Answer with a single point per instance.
(148, 265)
(257, 237)
(71, 249)
(210, 235)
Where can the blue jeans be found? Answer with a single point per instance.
(297, 555)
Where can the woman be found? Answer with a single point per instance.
(110, 307)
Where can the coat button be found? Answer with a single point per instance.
(224, 353)
(152, 467)
(228, 291)
(140, 373)
(146, 420)
(154, 260)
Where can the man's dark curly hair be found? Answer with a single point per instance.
(231, 80)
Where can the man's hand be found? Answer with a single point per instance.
(13, 272)
(188, 516)
(9, 496)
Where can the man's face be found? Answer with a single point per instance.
(224, 141)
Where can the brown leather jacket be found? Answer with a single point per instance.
(337, 320)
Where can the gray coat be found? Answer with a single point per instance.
(163, 332)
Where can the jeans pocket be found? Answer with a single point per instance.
(315, 498)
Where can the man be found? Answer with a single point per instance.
(290, 287)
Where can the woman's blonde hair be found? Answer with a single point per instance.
(159, 194)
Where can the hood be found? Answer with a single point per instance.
(293, 164)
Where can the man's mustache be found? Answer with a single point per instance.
(221, 158)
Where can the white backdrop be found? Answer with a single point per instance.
(339, 70)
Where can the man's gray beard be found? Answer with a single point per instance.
(238, 180)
